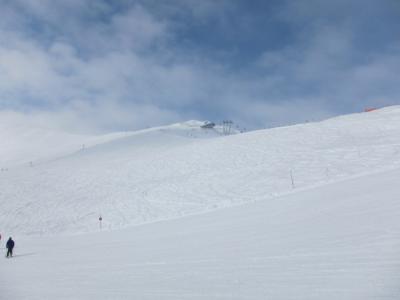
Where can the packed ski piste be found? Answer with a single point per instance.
(187, 211)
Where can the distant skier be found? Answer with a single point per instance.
(10, 246)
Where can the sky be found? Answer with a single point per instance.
(103, 65)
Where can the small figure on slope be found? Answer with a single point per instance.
(10, 246)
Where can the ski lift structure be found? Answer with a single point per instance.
(227, 127)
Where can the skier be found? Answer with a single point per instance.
(10, 245)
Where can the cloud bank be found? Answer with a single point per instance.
(117, 65)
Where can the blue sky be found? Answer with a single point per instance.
(115, 65)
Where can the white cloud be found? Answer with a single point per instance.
(85, 64)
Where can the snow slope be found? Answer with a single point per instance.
(22, 144)
(337, 241)
(318, 215)
(178, 170)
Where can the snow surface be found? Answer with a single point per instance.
(170, 171)
(22, 144)
(316, 215)
(339, 241)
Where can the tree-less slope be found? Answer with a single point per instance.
(182, 169)
(337, 241)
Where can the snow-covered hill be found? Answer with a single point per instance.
(24, 144)
(338, 241)
(319, 214)
(170, 171)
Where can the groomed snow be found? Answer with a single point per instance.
(309, 212)
(181, 169)
(339, 241)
